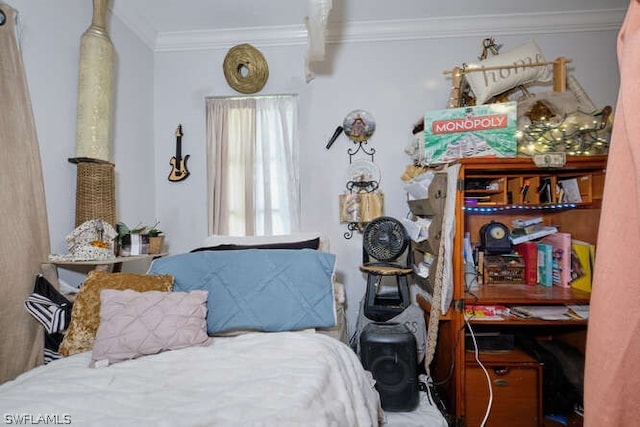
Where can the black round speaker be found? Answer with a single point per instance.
(391, 372)
(388, 351)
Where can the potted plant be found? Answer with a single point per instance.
(140, 240)
(156, 239)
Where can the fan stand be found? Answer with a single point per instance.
(386, 241)
(379, 306)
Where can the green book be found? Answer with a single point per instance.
(545, 264)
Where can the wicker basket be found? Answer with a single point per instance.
(503, 270)
(95, 192)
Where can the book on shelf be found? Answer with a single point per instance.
(544, 191)
(480, 267)
(570, 191)
(582, 260)
(545, 264)
(529, 253)
(561, 264)
(519, 235)
(525, 223)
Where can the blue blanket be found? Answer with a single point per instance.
(266, 290)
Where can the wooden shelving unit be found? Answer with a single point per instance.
(501, 181)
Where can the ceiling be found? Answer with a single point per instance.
(154, 20)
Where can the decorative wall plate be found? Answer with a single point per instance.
(359, 125)
(363, 171)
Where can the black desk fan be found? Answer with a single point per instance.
(386, 253)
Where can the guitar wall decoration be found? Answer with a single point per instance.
(179, 169)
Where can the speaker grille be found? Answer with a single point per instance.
(388, 351)
(391, 372)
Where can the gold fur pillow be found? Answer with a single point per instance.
(85, 316)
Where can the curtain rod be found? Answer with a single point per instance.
(251, 96)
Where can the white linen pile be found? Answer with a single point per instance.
(256, 379)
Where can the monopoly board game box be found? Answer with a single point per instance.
(480, 131)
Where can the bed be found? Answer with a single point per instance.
(246, 333)
(254, 379)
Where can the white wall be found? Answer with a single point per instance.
(50, 39)
(396, 81)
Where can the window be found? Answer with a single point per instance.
(252, 158)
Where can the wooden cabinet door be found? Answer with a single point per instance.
(516, 395)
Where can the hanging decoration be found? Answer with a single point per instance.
(179, 171)
(363, 202)
(245, 69)
(316, 24)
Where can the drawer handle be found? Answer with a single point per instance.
(501, 383)
(501, 370)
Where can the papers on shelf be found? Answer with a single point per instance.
(578, 311)
(485, 312)
(524, 222)
(552, 312)
(540, 232)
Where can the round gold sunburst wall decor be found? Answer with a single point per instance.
(245, 69)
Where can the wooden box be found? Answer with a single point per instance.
(503, 270)
(516, 380)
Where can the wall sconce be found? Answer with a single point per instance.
(363, 203)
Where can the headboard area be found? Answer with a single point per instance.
(239, 273)
(306, 239)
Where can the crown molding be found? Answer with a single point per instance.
(135, 22)
(380, 31)
(227, 38)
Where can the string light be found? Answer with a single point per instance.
(518, 208)
(545, 136)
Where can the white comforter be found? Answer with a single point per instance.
(259, 379)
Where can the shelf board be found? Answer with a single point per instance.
(525, 294)
(108, 261)
(519, 321)
(505, 166)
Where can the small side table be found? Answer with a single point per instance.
(111, 264)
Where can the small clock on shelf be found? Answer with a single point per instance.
(494, 238)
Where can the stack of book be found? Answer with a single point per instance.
(551, 257)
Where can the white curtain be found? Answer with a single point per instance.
(252, 158)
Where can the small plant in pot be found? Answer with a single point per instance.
(156, 239)
(154, 231)
(140, 240)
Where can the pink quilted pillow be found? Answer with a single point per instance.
(134, 324)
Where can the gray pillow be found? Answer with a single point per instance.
(134, 324)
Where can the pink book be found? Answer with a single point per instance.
(561, 270)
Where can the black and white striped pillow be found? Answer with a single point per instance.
(48, 306)
(50, 314)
